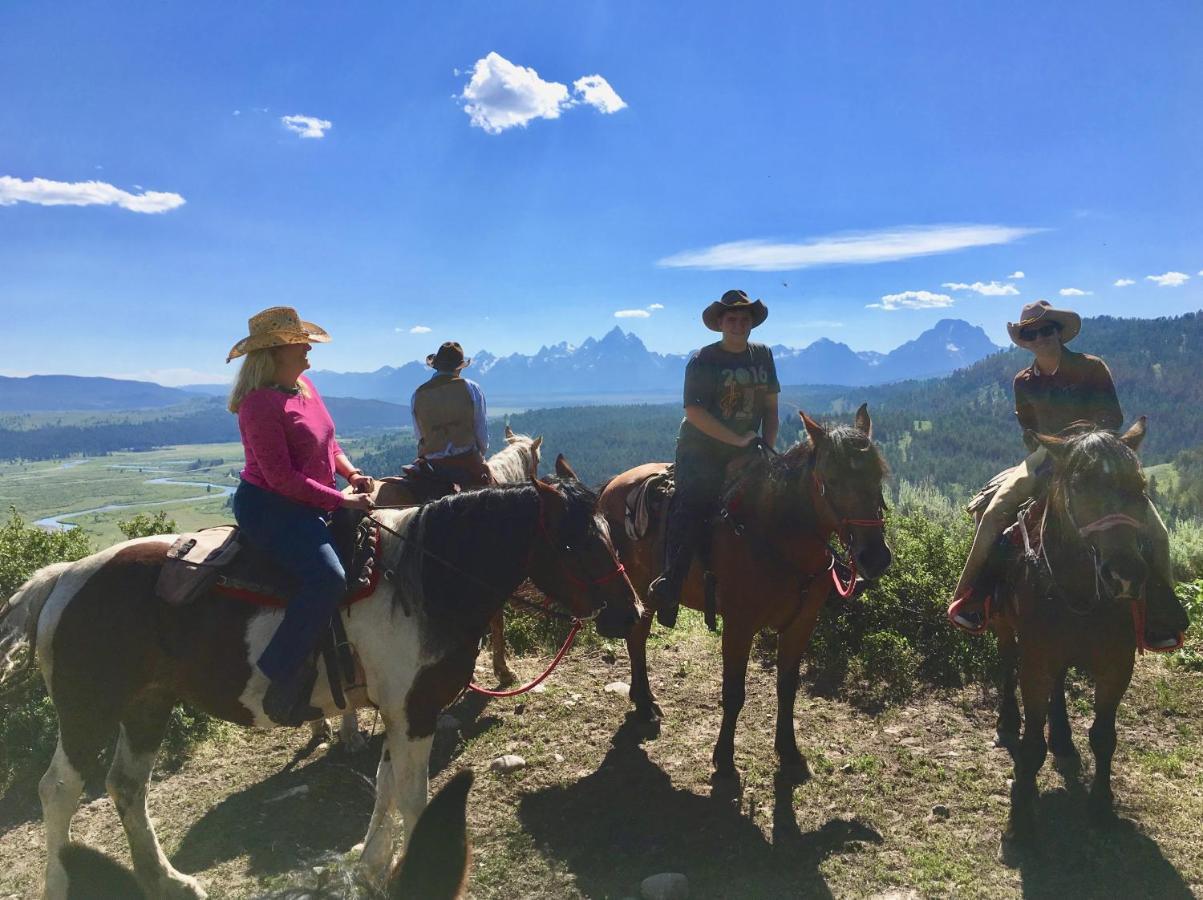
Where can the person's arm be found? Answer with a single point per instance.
(480, 416)
(360, 483)
(704, 422)
(263, 432)
(1105, 410)
(772, 420)
(413, 414)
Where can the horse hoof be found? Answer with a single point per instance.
(1012, 851)
(505, 678)
(649, 713)
(354, 741)
(183, 887)
(1102, 815)
(794, 773)
(1067, 763)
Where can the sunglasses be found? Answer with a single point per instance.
(1030, 334)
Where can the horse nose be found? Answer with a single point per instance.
(874, 559)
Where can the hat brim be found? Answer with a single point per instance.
(310, 334)
(712, 315)
(1070, 322)
(430, 362)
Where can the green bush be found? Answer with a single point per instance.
(1186, 548)
(1190, 657)
(886, 670)
(143, 525)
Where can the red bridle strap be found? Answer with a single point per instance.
(1114, 520)
(618, 571)
(840, 527)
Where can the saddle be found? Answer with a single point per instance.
(647, 503)
(222, 560)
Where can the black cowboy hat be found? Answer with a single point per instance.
(1041, 313)
(449, 356)
(733, 300)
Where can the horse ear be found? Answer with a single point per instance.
(1054, 446)
(1134, 435)
(817, 432)
(563, 469)
(509, 432)
(863, 423)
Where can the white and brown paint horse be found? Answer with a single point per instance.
(516, 462)
(116, 660)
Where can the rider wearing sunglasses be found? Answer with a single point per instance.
(1059, 389)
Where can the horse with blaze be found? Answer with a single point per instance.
(116, 659)
(769, 552)
(1074, 601)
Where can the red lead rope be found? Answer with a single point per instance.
(819, 493)
(473, 686)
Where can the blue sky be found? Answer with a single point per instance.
(861, 167)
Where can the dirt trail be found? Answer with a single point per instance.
(913, 798)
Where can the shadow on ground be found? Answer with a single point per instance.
(627, 821)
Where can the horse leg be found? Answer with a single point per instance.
(646, 707)
(60, 790)
(1060, 736)
(791, 644)
(501, 669)
(138, 742)
(378, 842)
(1006, 729)
(1110, 684)
(411, 775)
(737, 645)
(1036, 683)
(348, 732)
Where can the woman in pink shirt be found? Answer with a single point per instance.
(287, 493)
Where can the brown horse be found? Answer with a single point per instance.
(116, 660)
(1072, 604)
(770, 556)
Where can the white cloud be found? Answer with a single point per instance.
(1074, 292)
(845, 249)
(632, 314)
(1016, 275)
(1124, 282)
(44, 192)
(819, 323)
(1169, 279)
(307, 126)
(912, 300)
(501, 95)
(986, 289)
(656, 306)
(596, 91)
(419, 329)
(173, 377)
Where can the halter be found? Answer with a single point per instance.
(818, 495)
(586, 585)
(1083, 532)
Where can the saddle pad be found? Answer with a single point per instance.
(194, 562)
(647, 499)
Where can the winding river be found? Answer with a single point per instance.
(57, 523)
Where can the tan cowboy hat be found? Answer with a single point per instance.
(733, 300)
(277, 327)
(1041, 313)
(449, 356)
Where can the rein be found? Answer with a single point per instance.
(818, 494)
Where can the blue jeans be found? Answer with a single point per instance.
(297, 538)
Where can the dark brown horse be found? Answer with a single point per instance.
(1071, 603)
(772, 564)
(116, 660)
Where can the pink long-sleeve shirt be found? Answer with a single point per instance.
(290, 446)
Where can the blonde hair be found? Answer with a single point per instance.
(258, 370)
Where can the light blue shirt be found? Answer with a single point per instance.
(480, 424)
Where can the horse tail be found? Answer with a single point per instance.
(19, 622)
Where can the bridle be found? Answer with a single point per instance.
(841, 526)
(1082, 533)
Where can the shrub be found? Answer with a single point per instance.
(1190, 657)
(1186, 548)
(143, 525)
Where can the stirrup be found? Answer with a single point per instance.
(667, 606)
(1166, 644)
(958, 617)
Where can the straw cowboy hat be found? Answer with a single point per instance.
(733, 300)
(1041, 313)
(449, 356)
(277, 327)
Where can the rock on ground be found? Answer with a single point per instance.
(509, 763)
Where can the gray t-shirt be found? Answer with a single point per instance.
(732, 387)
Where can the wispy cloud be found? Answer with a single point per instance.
(1074, 292)
(912, 300)
(503, 95)
(819, 323)
(1124, 282)
(632, 314)
(307, 126)
(596, 92)
(860, 248)
(985, 288)
(172, 377)
(419, 329)
(1016, 275)
(656, 306)
(43, 192)
(1169, 279)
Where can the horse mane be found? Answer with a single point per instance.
(784, 470)
(512, 463)
(1096, 454)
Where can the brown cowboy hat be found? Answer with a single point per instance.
(277, 327)
(1041, 313)
(449, 356)
(733, 300)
